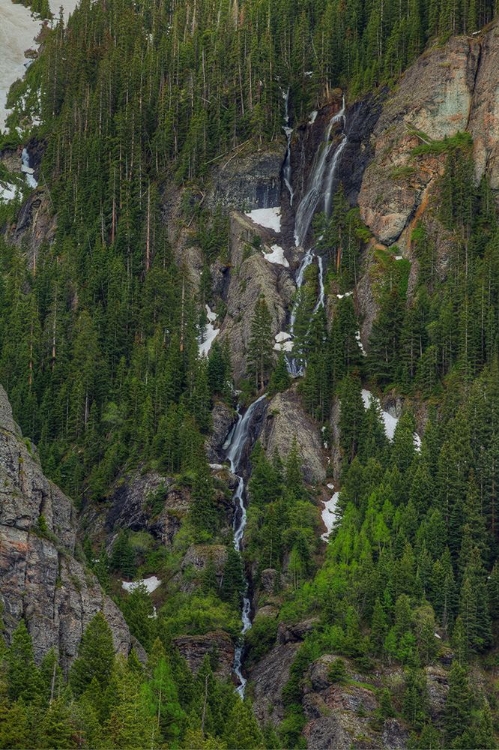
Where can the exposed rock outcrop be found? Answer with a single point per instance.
(217, 646)
(150, 502)
(344, 715)
(222, 417)
(268, 679)
(36, 224)
(197, 558)
(449, 89)
(252, 276)
(286, 420)
(484, 116)
(249, 178)
(40, 577)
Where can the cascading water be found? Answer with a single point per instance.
(294, 364)
(286, 170)
(27, 170)
(321, 182)
(234, 446)
(328, 194)
(320, 300)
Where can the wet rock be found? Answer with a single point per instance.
(223, 417)
(247, 178)
(35, 225)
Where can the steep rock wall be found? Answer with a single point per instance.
(40, 577)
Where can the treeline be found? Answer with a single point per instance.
(109, 701)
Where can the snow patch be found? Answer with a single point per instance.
(399, 257)
(7, 192)
(151, 584)
(390, 423)
(209, 333)
(284, 346)
(18, 30)
(276, 256)
(17, 34)
(282, 336)
(329, 514)
(270, 218)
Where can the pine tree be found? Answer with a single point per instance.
(23, 677)
(95, 656)
(260, 356)
(459, 703)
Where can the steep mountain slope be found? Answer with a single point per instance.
(42, 580)
(348, 268)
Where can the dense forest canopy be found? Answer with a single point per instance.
(99, 354)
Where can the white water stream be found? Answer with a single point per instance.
(320, 183)
(286, 170)
(234, 446)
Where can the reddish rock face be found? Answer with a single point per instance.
(40, 578)
(449, 89)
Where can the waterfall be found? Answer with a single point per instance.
(294, 365)
(234, 446)
(320, 301)
(27, 170)
(321, 182)
(286, 170)
(315, 189)
(328, 194)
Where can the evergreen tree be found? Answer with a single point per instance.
(95, 656)
(23, 677)
(260, 357)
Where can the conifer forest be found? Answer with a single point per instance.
(249, 368)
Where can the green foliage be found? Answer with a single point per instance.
(23, 677)
(260, 356)
(337, 672)
(261, 638)
(95, 657)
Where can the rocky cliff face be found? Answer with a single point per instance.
(41, 577)
(251, 276)
(286, 420)
(450, 89)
